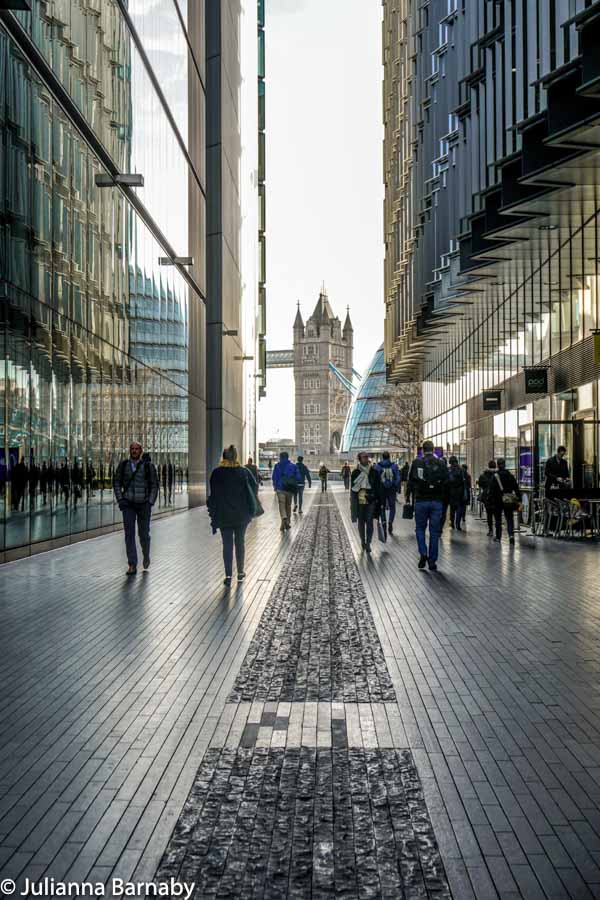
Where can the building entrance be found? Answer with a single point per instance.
(581, 437)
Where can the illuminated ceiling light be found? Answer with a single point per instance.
(548, 227)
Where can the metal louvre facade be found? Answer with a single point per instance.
(491, 211)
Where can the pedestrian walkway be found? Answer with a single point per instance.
(337, 725)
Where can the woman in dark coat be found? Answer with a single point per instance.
(231, 506)
(365, 498)
(457, 493)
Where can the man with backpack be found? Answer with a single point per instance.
(390, 483)
(285, 483)
(135, 485)
(303, 477)
(428, 485)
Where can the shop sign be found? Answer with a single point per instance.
(597, 348)
(536, 381)
(492, 400)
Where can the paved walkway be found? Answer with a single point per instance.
(281, 739)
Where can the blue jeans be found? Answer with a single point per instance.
(299, 497)
(231, 536)
(140, 513)
(389, 504)
(428, 513)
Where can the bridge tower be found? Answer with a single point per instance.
(321, 400)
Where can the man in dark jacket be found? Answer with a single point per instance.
(428, 484)
(457, 493)
(285, 484)
(135, 485)
(485, 485)
(390, 484)
(303, 477)
(255, 474)
(557, 471)
(503, 485)
(365, 498)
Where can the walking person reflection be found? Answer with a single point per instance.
(135, 485)
(231, 505)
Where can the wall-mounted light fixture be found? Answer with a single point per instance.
(243, 358)
(230, 332)
(124, 180)
(176, 260)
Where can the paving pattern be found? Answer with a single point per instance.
(114, 693)
(316, 639)
(300, 823)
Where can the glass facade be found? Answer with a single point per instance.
(492, 227)
(382, 416)
(95, 334)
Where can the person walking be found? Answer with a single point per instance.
(484, 483)
(506, 499)
(390, 484)
(469, 494)
(346, 474)
(285, 484)
(365, 498)
(303, 477)
(232, 504)
(323, 473)
(457, 493)
(557, 471)
(404, 472)
(428, 485)
(135, 486)
(255, 474)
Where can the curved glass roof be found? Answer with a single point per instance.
(365, 427)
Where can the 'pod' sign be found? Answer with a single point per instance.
(536, 381)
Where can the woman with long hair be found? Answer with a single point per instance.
(231, 505)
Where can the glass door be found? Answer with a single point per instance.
(581, 438)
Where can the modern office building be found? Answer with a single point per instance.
(382, 416)
(491, 226)
(117, 182)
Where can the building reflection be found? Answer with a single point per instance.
(94, 334)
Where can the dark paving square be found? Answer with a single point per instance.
(316, 639)
(306, 823)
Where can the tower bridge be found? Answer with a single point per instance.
(322, 358)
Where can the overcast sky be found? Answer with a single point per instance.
(324, 178)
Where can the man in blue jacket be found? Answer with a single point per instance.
(390, 483)
(303, 477)
(285, 482)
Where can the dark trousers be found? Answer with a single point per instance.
(140, 513)
(366, 511)
(299, 497)
(323, 484)
(231, 536)
(509, 515)
(489, 511)
(346, 484)
(388, 507)
(457, 512)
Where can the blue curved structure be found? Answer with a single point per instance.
(365, 427)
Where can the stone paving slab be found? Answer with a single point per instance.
(317, 639)
(306, 823)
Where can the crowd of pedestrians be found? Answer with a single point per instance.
(436, 491)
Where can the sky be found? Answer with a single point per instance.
(324, 179)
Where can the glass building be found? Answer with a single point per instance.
(492, 234)
(382, 416)
(102, 279)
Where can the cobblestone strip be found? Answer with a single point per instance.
(316, 639)
(302, 823)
